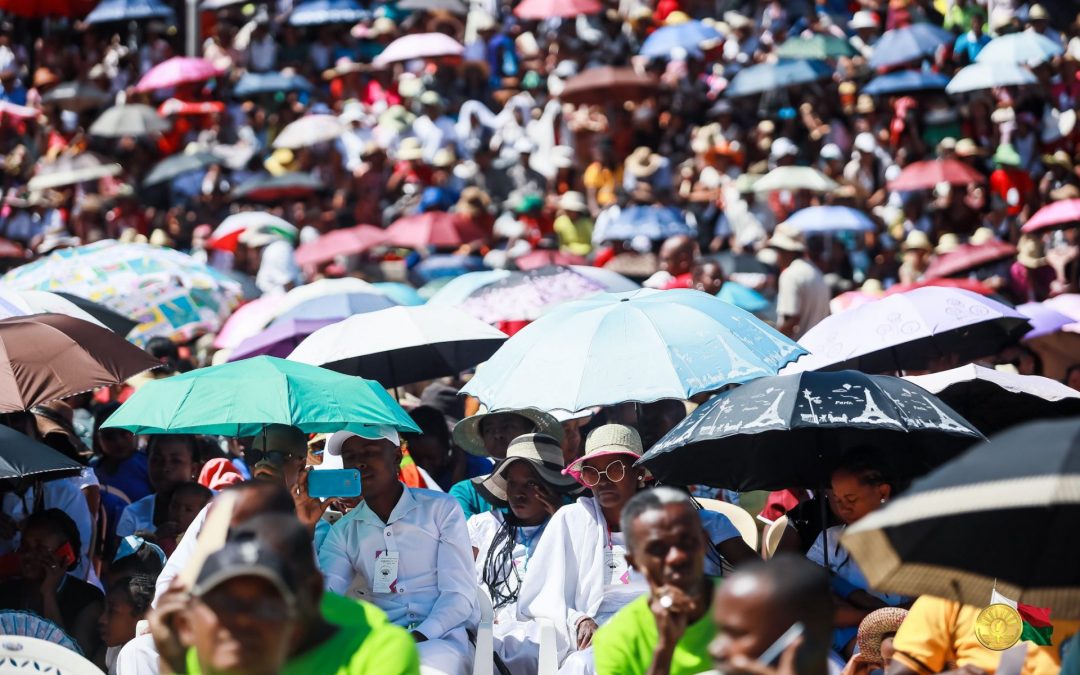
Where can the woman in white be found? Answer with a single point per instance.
(527, 488)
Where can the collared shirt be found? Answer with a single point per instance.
(435, 592)
(139, 515)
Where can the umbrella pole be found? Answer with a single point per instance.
(824, 526)
(393, 377)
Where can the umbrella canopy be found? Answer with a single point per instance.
(321, 289)
(322, 12)
(967, 257)
(452, 6)
(538, 10)
(258, 84)
(241, 398)
(610, 280)
(24, 303)
(71, 170)
(652, 222)
(908, 331)
(444, 266)
(544, 257)
(927, 174)
(989, 75)
(419, 46)
(77, 96)
(686, 36)
(226, 236)
(336, 307)
(524, 296)
(791, 430)
(167, 292)
(1025, 47)
(831, 219)
(460, 288)
(176, 71)
(279, 339)
(742, 297)
(1017, 488)
(50, 356)
(942, 282)
(994, 400)
(402, 294)
(1064, 213)
(114, 321)
(431, 228)
(247, 321)
(764, 77)
(345, 242)
(310, 130)
(795, 178)
(177, 165)
(640, 346)
(401, 345)
(129, 10)
(910, 43)
(903, 81)
(604, 84)
(1046, 320)
(819, 47)
(23, 459)
(132, 119)
(46, 8)
(267, 189)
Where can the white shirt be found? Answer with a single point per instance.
(436, 585)
(278, 268)
(138, 515)
(63, 494)
(844, 566)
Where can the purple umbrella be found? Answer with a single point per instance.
(1044, 319)
(279, 339)
(523, 297)
(336, 307)
(909, 331)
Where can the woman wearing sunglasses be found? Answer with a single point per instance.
(578, 577)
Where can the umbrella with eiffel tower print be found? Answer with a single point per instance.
(789, 431)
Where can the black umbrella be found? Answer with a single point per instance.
(23, 459)
(790, 430)
(1002, 515)
(77, 96)
(172, 167)
(117, 323)
(278, 188)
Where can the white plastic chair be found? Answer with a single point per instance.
(31, 655)
(739, 517)
(770, 539)
(484, 659)
(549, 651)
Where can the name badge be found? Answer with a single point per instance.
(386, 572)
(615, 563)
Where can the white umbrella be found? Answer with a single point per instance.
(795, 178)
(310, 130)
(323, 288)
(989, 75)
(1026, 47)
(401, 345)
(20, 303)
(228, 232)
(419, 46)
(1015, 383)
(134, 119)
(71, 170)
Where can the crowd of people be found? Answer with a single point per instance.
(580, 139)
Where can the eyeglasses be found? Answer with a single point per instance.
(615, 472)
(275, 457)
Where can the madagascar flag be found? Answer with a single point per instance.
(1036, 620)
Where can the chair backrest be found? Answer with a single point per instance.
(739, 517)
(19, 654)
(770, 539)
(484, 659)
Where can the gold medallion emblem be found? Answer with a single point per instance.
(998, 627)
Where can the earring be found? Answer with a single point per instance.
(882, 500)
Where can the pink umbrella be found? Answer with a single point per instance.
(349, 241)
(926, 175)
(968, 257)
(434, 228)
(545, 9)
(176, 71)
(1058, 214)
(248, 320)
(543, 258)
(15, 110)
(419, 46)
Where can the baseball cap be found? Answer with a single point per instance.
(245, 559)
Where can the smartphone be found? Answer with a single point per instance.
(330, 483)
(64, 556)
(771, 656)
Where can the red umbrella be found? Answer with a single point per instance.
(349, 241)
(966, 284)
(175, 106)
(9, 249)
(968, 257)
(543, 258)
(434, 228)
(1058, 214)
(546, 9)
(36, 9)
(928, 174)
(606, 84)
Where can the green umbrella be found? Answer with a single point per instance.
(240, 398)
(819, 47)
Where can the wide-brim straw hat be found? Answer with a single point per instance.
(1031, 253)
(947, 243)
(874, 628)
(610, 439)
(643, 163)
(573, 201)
(540, 451)
(787, 238)
(467, 431)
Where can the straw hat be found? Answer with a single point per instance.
(966, 147)
(947, 243)
(1031, 252)
(409, 149)
(917, 240)
(467, 431)
(573, 201)
(1038, 13)
(1069, 191)
(787, 238)
(280, 161)
(643, 163)
(343, 66)
(444, 158)
(864, 105)
(982, 236)
(542, 452)
(1060, 158)
(874, 628)
(610, 439)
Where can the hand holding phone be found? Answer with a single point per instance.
(331, 483)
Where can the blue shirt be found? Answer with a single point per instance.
(970, 45)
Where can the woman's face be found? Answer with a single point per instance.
(614, 493)
(853, 499)
(170, 462)
(38, 548)
(116, 444)
(523, 487)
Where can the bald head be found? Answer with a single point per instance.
(677, 254)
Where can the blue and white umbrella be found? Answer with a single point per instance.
(831, 219)
(651, 222)
(319, 12)
(687, 36)
(905, 81)
(911, 43)
(1026, 47)
(129, 10)
(772, 76)
(988, 76)
(640, 346)
(254, 84)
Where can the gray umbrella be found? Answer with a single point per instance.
(452, 6)
(77, 96)
(134, 119)
(172, 167)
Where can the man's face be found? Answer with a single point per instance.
(377, 460)
(429, 452)
(498, 430)
(668, 547)
(745, 623)
(241, 626)
(170, 463)
(282, 461)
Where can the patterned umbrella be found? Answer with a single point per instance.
(167, 292)
(524, 296)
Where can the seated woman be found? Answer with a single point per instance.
(578, 577)
(49, 550)
(859, 486)
(526, 488)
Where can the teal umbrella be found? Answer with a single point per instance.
(240, 398)
(819, 47)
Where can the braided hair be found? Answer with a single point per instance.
(499, 563)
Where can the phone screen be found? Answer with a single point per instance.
(64, 555)
(331, 483)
